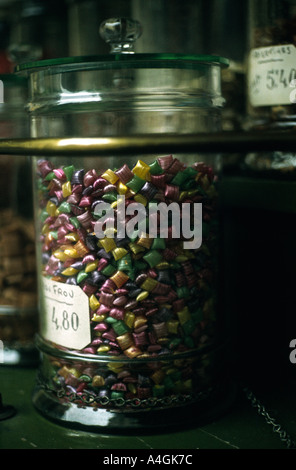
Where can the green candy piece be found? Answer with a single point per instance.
(179, 178)
(136, 183)
(111, 320)
(117, 394)
(85, 378)
(74, 221)
(158, 244)
(188, 326)
(109, 270)
(111, 197)
(168, 383)
(175, 265)
(50, 176)
(68, 170)
(139, 265)
(153, 257)
(43, 215)
(197, 316)
(125, 263)
(155, 168)
(176, 375)
(158, 390)
(174, 343)
(81, 276)
(54, 234)
(65, 207)
(182, 292)
(120, 327)
(188, 341)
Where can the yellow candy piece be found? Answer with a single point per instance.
(115, 366)
(162, 265)
(110, 176)
(91, 266)
(183, 315)
(136, 248)
(69, 272)
(66, 189)
(74, 372)
(129, 319)
(71, 253)
(132, 388)
(108, 244)
(119, 253)
(140, 320)
(93, 302)
(132, 352)
(81, 248)
(182, 195)
(103, 348)
(158, 376)
(140, 199)
(45, 229)
(121, 188)
(149, 284)
(72, 237)
(125, 341)
(141, 169)
(145, 241)
(98, 381)
(51, 208)
(172, 326)
(181, 258)
(119, 278)
(142, 296)
(98, 318)
(59, 254)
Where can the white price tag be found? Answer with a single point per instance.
(66, 314)
(271, 74)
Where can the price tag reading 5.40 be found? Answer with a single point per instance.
(270, 74)
(66, 313)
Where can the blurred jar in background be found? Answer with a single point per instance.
(38, 30)
(18, 299)
(271, 81)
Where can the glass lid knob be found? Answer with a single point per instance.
(121, 34)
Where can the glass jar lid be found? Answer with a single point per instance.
(121, 34)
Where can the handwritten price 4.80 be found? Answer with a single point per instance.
(64, 320)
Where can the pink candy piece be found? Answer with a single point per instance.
(101, 327)
(59, 173)
(165, 162)
(117, 313)
(90, 177)
(120, 301)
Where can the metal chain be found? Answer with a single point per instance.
(89, 399)
(276, 427)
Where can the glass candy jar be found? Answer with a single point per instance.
(272, 81)
(18, 292)
(131, 335)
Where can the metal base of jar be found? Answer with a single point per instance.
(60, 398)
(211, 405)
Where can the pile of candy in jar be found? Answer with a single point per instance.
(148, 298)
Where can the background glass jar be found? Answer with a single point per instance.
(271, 80)
(130, 323)
(18, 291)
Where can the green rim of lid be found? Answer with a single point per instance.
(121, 61)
